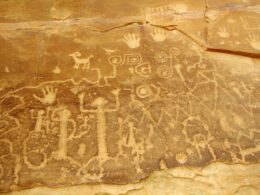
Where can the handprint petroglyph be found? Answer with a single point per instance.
(159, 35)
(223, 33)
(254, 41)
(132, 40)
(49, 96)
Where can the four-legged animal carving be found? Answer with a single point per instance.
(85, 62)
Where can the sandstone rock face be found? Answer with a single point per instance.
(101, 93)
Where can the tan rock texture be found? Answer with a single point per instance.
(98, 93)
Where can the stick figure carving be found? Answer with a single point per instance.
(99, 103)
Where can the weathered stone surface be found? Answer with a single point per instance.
(234, 27)
(110, 92)
(216, 178)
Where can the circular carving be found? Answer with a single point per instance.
(165, 71)
(143, 91)
(175, 51)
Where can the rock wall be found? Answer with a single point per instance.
(130, 97)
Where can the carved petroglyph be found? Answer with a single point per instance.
(199, 140)
(56, 70)
(100, 111)
(223, 33)
(83, 63)
(178, 68)
(159, 35)
(49, 96)
(172, 12)
(250, 22)
(9, 123)
(141, 105)
(143, 91)
(254, 41)
(63, 117)
(109, 51)
(143, 70)
(165, 71)
(132, 40)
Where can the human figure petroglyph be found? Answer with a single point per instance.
(200, 140)
(100, 103)
(39, 120)
(131, 141)
(85, 122)
(134, 139)
(84, 62)
(63, 116)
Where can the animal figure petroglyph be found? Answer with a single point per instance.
(85, 62)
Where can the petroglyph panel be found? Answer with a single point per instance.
(85, 106)
(234, 26)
